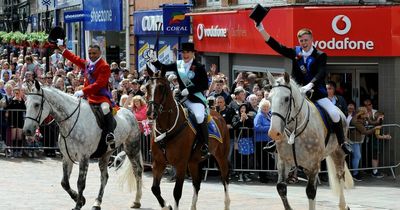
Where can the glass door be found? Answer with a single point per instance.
(355, 83)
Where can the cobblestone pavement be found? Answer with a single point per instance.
(34, 184)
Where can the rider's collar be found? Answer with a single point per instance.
(94, 63)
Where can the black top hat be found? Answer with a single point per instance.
(259, 13)
(56, 33)
(187, 46)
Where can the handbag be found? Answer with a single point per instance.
(245, 145)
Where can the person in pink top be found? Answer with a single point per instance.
(139, 108)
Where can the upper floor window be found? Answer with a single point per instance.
(213, 3)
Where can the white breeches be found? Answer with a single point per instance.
(328, 106)
(197, 109)
(105, 107)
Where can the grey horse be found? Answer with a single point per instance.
(79, 137)
(296, 122)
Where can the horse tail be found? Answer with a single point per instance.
(333, 178)
(334, 182)
(126, 176)
(348, 179)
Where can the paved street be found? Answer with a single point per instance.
(34, 184)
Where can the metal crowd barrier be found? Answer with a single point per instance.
(386, 151)
(257, 160)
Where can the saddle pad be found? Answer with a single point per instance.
(213, 130)
(326, 120)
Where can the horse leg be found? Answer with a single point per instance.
(223, 164)
(67, 169)
(83, 168)
(135, 157)
(196, 181)
(281, 186)
(311, 190)
(158, 170)
(180, 177)
(103, 165)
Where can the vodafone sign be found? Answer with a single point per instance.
(346, 43)
(213, 31)
(337, 30)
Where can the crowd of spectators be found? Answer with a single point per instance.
(243, 104)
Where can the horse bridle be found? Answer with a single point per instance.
(158, 108)
(288, 119)
(39, 116)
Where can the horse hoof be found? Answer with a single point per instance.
(135, 205)
(96, 208)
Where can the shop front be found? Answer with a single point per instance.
(70, 14)
(104, 26)
(362, 43)
(162, 30)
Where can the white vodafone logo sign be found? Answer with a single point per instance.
(346, 21)
(213, 31)
(343, 42)
(200, 31)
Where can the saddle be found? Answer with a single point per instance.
(213, 130)
(98, 113)
(326, 121)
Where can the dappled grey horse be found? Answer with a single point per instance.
(80, 136)
(294, 115)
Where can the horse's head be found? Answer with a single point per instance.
(159, 93)
(281, 97)
(37, 109)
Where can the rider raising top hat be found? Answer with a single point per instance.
(193, 81)
(309, 66)
(96, 73)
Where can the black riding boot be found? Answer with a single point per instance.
(109, 129)
(203, 138)
(338, 128)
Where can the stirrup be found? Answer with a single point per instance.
(110, 140)
(205, 154)
(346, 147)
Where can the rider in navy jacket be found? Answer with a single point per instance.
(309, 69)
(193, 81)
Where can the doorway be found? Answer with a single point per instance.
(355, 83)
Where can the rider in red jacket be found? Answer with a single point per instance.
(96, 73)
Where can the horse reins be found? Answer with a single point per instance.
(289, 119)
(158, 109)
(37, 119)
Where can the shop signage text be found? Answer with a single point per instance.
(213, 31)
(103, 15)
(173, 22)
(336, 31)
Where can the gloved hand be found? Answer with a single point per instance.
(152, 56)
(60, 42)
(185, 92)
(306, 88)
(78, 93)
(260, 27)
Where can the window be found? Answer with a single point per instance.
(213, 3)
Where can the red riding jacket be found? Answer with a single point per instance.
(100, 75)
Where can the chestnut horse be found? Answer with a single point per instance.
(172, 126)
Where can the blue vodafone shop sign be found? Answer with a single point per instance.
(103, 15)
